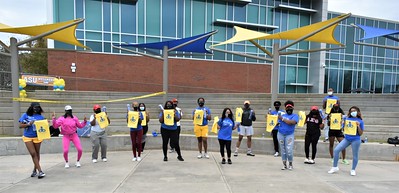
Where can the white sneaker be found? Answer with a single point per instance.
(306, 161)
(105, 160)
(276, 154)
(134, 159)
(94, 161)
(67, 165)
(236, 153)
(333, 170)
(138, 159)
(206, 156)
(171, 150)
(199, 156)
(311, 161)
(77, 164)
(353, 173)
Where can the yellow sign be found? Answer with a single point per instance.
(169, 117)
(144, 122)
(350, 127)
(302, 118)
(133, 119)
(215, 125)
(335, 121)
(239, 112)
(198, 117)
(271, 122)
(330, 104)
(102, 120)
(42, 129)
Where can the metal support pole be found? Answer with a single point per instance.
(16, 106)
(165, 73)
(275, 72)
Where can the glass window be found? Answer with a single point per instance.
(153, 18)
(79, 10)
(333, 79)
(293, 21)
(378, 82)
(107, 47)
(282, 78)
(95, 46)
(291, 75)
(93, 16)
(198, 19)
(168, 19)
(93, 36)
(65, 11)
(115, 16)
(253, 13)
(107, 15)
(301, 89)
(366, 80)
(347, 81)
(303, 62)
(239, 13)
(302, 75)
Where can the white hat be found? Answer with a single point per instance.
(68, 107)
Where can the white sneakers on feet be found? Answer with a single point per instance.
(276, 154)
(206, 156)
(94, 160)
(138, 159)
(306, 161)
(105, 160)
(311, 161)
(77, 164)
(236, 153)
(353, 173)
(199, 156)
(134, 159)
(333, 170)
(67, 165)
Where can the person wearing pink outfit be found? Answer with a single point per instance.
(69, 125)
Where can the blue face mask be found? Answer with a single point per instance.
(354, 114)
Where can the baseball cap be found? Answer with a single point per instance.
(314, 108)
(68, 107)
(34, 104)
(174, 100)
(96, 107)
(289, 105)
(247, 102)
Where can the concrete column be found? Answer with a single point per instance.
(16, 106)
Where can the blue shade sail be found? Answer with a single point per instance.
(197, 46)
(371, 32)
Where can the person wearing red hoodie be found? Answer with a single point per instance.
(69, 124)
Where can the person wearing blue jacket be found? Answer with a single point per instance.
(226, 127)
(170, 132)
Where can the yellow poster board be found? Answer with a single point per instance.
(144, 122)
(198, 117)
(42, 129)
(239, 112)
(330, 104)
(302, 118)
(215, 125)
(133, 119)
(169, 117)
(335, 121)
(102, 120)
(350, 127)
(271, 122)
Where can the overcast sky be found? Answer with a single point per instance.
(34, 12)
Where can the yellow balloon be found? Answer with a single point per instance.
(23, 91)
(23, 84)
(62, 82)
(55, 81)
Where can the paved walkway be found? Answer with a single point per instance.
(247, 174)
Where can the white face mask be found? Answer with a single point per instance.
(330, 93)
(354, 114)
(142, 108)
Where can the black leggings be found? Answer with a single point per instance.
(174, 141)
(275, 140)
(227, 144)
(311, 139)
(178, 137)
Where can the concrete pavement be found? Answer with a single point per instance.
(261, 173)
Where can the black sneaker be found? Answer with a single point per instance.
(41, 175)
(165, 159)
(180, 158)
(223, 161)
(250, 154)
(34, 173)
(229, 161)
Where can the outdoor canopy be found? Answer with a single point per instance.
(66, 36)
(371, 32)
(195, 46)
(324, 36)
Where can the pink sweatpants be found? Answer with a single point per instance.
(75, 140)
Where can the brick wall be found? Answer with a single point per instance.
(111, 72)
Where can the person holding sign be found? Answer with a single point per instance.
(144, 123)
(334, 121)
(248, 116)
(328, 103)
(32, 143)
(168, 119)
(314, 123)
(178, 109)
(226, 126)
(69, 124)
(277, 111)
(201, 116)
(134, 122)
(285, 134)
(353, 129)
(98, 134)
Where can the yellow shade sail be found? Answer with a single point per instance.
(324, 36)
(66, 35)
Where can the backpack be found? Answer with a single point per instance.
(393, 140)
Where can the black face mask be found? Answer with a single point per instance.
(69, 112)
(314, 112)
(201, 104)
(169, 106)
(277, 108)
(97, 111)
(336, 108)
(36, 110)
(135, 108)
(246, 106)
(289, 111)
(175, 105)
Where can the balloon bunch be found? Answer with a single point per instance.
(59, 84)
(22, 91)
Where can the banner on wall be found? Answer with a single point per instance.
(37, 80)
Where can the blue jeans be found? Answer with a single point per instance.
(355, 150)
(286, 143)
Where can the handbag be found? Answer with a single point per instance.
(393, 140)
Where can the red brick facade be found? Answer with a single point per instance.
(112, 72)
